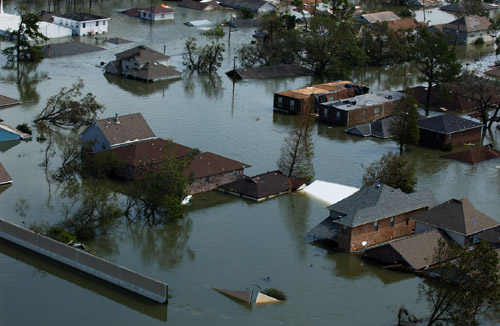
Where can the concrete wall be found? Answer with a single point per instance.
(85, 262)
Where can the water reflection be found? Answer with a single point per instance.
(137, 87)
(396, 77)
(211, 85)
(295, 209)
(43, 265)
(29, 77)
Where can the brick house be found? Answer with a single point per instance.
(440, 130)
(307, 99)
(360, 109)
(210, 170)
(373, 215)
(459, 219)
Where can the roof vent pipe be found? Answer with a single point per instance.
(116, 119)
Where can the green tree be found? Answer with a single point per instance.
(206, 59)
(436, 62)
(69, 109)
(392, 170)
(467, 284)
(26, 41)
(215, 32)
(384, 45)
(404, 125)
(297, 152)
(245, 13)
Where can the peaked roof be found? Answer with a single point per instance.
(270, 72)
(158, 9)
(142, 54)
(475, 155)
(81, 17)
(148, 151)
(154, 70)
(447, 124)
(469, 24)
(4, 176)
(377, 129)
(455, 102)
(262, 185)
(249, 4)
(192, 4)
(4, 101)
(383, 16)
(130, 127)
(458, 7)
(377, 202)
(208, 164)
(459, 216)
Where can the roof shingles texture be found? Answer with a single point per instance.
(131, 127)
(4, 176)
(474, 155)
(82, 17)
(469, 24)
(142, 54)
(458, 216)
(209, 164)
(377, 202)
(447, 124)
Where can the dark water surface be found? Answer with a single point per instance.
(223, 241)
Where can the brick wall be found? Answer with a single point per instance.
(356, 116)
(300, 105)
(202, 185)
(352, 240)
(434, 139)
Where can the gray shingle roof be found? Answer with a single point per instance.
(458, 7)
(447, 124)
(377, 129)
(4, 101)
(68, 48)
(469, 24)
(250, 4)
(459, 216)
(153, 71)
(377, 202)
(142, 53)
(131, 127)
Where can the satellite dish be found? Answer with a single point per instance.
(364, 243)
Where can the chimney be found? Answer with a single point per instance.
(116, 119)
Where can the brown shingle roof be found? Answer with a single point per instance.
(454, 101)
(469, 24)
(4, 176)
(208, 164)
(459, 216)
(474, 155)
(192, 4)
(153, 71)
(4, 101)
(148, 151)
(130, 127)
(158, 9)
(142, 54)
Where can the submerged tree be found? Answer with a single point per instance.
(467, 283)
(436, 61)
(297, 152)
(404, 125)
(392, 170)
(26, 41)
(68, 109)
(206, 59)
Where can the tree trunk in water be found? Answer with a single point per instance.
(428, 99)
(494, 115)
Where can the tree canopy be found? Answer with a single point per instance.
(404, 125)
(206, 59)
(392, 170)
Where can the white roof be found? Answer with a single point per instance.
(198, 23)
(8, 21)
(329, 192)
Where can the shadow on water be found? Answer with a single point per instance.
(137, 87)
(353, 266)
(6, 145)
(117, 294)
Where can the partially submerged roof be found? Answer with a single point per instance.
(325, 88)
(5, 178)
(378, 129)
(491, 235)
(68, 48)
(261, 186)
(458, 216)
(148, 151)
(418, 250)
(253, 5)
(14, 131)
(158, 9)
(81, 17)
(117, 40)
(383, 16)
(198, 5)
(142, 54)
(125, 128)
(270, 72)
(5, 101)
(199, 23)
(458, 7)
(475, 155)
(471, 23)
(208, 164)
(377, 202)
(154, 71)
(241, 295)
(454, 100)
(447, 124)
(329, 192)
(364, 100)
(253, 22)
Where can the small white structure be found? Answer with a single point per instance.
(159, 12)
(329, 192)
(83, 24)
(378, 17)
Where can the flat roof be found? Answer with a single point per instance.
(364, 100)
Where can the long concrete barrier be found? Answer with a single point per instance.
(76, 258)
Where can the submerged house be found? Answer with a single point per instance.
(447, 128)
(378, 129)
(454, 100)
(10, 133)
(307, 99)
(474, 155)
(459, 219)
(158, 12)
(198, 5)
(82, 23)
(360, 109)
(262, 186)
(253, 5)
(142, 63)
(114, 132)
(373, 215)
(5, 178)
(210, 171)
(467, 30)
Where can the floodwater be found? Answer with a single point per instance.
(222, 241)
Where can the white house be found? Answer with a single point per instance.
(158, 12)
(83, 24)
(114, 132)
